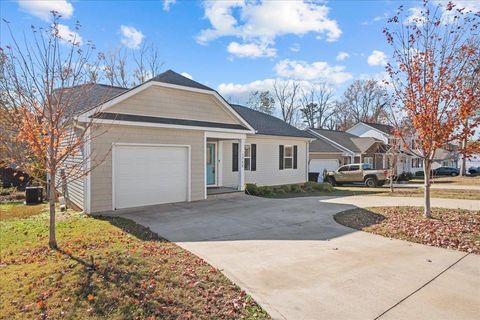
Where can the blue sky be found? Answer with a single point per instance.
(233, 46)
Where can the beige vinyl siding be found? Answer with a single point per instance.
(268, 172)
(158, 101)
(74, 173)
(101, 176)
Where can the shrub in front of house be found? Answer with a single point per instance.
(315, 186)
(268, 191)
(419, 174)
(252, 189)
(296, 188)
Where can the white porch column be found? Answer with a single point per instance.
(241, 167)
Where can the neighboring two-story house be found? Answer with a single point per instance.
(407, 161)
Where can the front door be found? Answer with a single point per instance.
(211, 164)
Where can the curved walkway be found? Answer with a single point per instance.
(298, 263)
(374, 201)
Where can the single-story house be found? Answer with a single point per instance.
(333, 148)
(172, 139)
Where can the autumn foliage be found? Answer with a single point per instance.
(434, 76)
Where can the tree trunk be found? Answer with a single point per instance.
(52, 242)
(463, 163)
(427, 164)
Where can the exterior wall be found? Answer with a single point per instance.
(101, 176)
(73, 190)
(158, 101)
(267, 172)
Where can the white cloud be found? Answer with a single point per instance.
(167, 4)
(318, 70)
(467, 6)
(341, 56)
(377, 58)
(251, 50)
(186, 75)
(295, 47)
(68, 36)
(239, 93)
(416, 16)
(262, 22)
(42, 8)
(131, 37)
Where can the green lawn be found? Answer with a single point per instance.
(107, 268)
(344, 191)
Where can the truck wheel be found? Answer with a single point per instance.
(371, 182)
(332, 181)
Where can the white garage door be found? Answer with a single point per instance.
(318, 165)
(147, 175)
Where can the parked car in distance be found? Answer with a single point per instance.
(446, 171)
(474, 170)
(355, 173)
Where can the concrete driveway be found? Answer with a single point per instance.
(298, 263)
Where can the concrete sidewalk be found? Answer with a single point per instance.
(436, 186)
(377, 201)
(298, 263)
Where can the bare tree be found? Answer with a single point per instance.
(261, 101)
(324, 95)
(309, 108)
(147, 63)
(366, 100)
(286, 93)
(41, 81)
(115, 68)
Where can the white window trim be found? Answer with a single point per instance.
(245, 157)
(285, 157)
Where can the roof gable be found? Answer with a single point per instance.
(171, 77)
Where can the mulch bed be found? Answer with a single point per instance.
(449, 228)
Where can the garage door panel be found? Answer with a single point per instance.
(318, 165)
(147, 175)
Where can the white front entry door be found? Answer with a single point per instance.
(148, 174)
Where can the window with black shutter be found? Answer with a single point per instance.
(235, 157)
(280, 157)
(253, 166)
(295, 153)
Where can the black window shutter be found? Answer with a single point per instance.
(235, 157)
(253, 161)
(295, 151)
(280, 156)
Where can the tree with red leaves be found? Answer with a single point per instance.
(435, 54)
(40, 133)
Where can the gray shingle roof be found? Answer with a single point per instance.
(172, 77)
(321, 145)
(261, 122)
(183, 122)
(382, 127)
(341, 137)
(87, 96)
(348, 140)
(267, 124)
